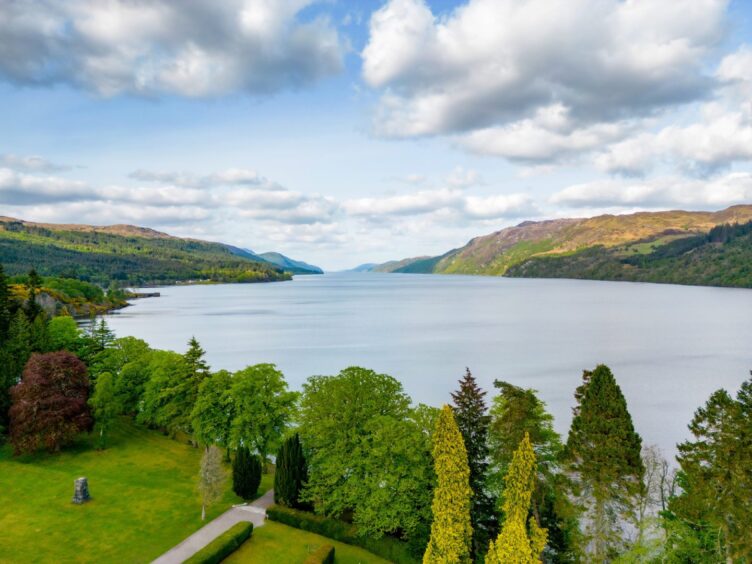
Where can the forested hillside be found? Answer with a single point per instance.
(702, 248)
(125, 254)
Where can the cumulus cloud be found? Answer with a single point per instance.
(663, 192)
(446, 200)
(490, 63)
(193, 48)
(18, 188)
(231, 176)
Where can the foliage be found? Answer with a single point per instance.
(101, 257)
(521, 539)
(473, 420)
(212, 478)
(263, 408)
(716, 480)
(387, 547)
(451, 531)
(516, 412)
(50, 403)
(290, 473)
(214, 410)
(366, 455)
(322, 555)
(603, 451)
(162, 404)
(104, 405)
(224, 545)
(62, 333)
(246, 474)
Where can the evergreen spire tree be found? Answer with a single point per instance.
(194, 359)
(451, 531)
(521, 540)
(603, 451)
(4, 306)
(472, 418)
(33, 283)
(291, 472)
(246, 473)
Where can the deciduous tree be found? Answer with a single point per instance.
(212, 478)
(104, 405)
(214, 410)
(50, 403)
(451, 530)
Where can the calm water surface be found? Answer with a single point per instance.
(669, 346)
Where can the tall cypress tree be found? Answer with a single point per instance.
(291, 472)
(472, 418)
(246, 473)
(451, 531)
(33, 284)
(521, 539)
(4, 306)
(603, 452)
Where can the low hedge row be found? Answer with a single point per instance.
(324, 555)
(224, 545)
(386, 547)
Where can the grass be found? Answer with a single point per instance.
(144, 499)
(274, 543)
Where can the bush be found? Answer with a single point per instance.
(324, 555)
(387, 547)
(246, 474)
(224, 545)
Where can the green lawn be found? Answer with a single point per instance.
(144, 500)
(274, 543)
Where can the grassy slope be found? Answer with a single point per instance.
(144, 500)
(123, 253)
(275, 543)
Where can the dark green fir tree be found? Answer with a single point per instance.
(291, 472)
(246, 474)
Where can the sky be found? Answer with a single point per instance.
(342, 132)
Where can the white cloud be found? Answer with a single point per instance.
(195, 48)
(30, 163)
(490, 63)
(664, 192)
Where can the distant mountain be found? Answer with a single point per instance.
(367, 267)
(672, 246)
(125, 253)
(290, 265)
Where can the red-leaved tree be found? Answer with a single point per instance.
(50, 404)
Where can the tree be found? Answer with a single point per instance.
(62, 333)
(5, 305)
(291, 472)
(194, 360)
(716, 479)
(214, 411)
(212, 478)
(521, 540)
(263, 408)
(14, 354)
(246, 473)
(603, 451)
(451, 530)
(50, 403)
(104, 405)
(163, 402)
(515, 412)
(473, 420)
(366, 455)
(33, 284)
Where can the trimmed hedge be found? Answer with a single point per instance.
(387, 547)
(224, 545)
(324, 555)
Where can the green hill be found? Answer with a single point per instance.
(670, 246)
(124, 253)
(291, 265)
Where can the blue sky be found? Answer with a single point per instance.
(341, 132)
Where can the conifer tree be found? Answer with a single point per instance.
(14, 353)
(291, 472)
(246, 473)
(603, 451)
(33, 284)
(521, 540)
(451, 531)
(472, 418)
(5, 313)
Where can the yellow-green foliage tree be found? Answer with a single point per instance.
(451, 532)
(521, 541)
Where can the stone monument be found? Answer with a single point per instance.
(81, 491)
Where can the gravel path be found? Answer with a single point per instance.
(255, 512)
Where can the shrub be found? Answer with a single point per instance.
(388, 548)
(224, 545)
(246, 474)
(323, 555)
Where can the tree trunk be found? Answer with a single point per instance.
(203, 512)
